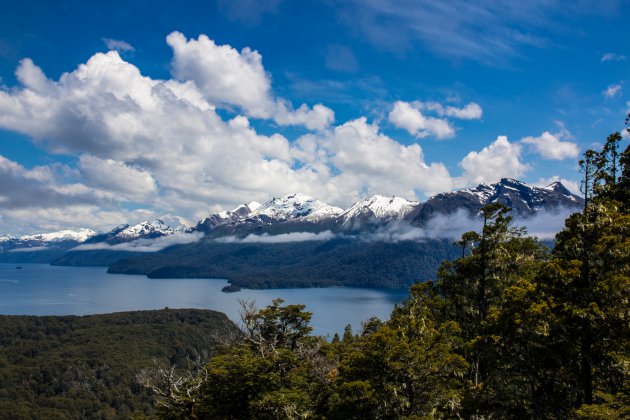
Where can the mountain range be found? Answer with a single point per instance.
(301, 213)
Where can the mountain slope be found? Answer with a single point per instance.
(524, 199)
(70, 367)
(377, 209)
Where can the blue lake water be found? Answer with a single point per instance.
(40, 289)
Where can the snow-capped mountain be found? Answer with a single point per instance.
(61, 235)
(143, 230)
(61, 238)
(146, 229)
(377, 209)
(524, 199)
(226, 217)
(301, 213)
(294, 207)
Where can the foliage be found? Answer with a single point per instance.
(86, 367)
(337, 262)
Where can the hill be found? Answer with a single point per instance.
(340, 262)
(70, 367)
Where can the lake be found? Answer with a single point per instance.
(40, 289)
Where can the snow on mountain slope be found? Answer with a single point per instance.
(294, 207)
(524, 199)
(227, 217)
(378, 208)
(62, 235)
(147, 228)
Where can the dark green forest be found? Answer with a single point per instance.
(510, 329)
(71, 367)
(336, 262)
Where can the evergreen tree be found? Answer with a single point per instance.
(405, 368)
(499, 256)
(589, 282)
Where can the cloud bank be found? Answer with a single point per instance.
(144, 245)
(281, 238)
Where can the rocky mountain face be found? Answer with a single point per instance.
(524, 199)
(143, 230)
(226, 217)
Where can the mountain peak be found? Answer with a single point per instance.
(558, 187)
(378, 207)
(296, 206)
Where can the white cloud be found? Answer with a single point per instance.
(550, 146)
(367, 161)
(117, 177)
(612, 57)
(118, 45)
(545, 224)
(35, 200)
(162, 145)
(612, 91)
(145, 244)
(409, 117)
(281, 238)
(472, 111)
(226, 76)
(501, 159)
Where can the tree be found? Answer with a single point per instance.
(499, 256)
(588, 168)
(405, 367)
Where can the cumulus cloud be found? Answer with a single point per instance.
(226, 76)
(612, 91)
(281, 238)
(38, 200)
(118, 45)
(35, 188)
(370, 162)
(408, 116)
(550, 146)
(161, 144)
(145, 244)
(472, 111)
(612, 57)
(117, 177)
(498, 160)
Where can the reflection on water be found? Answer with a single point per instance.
(40, 289)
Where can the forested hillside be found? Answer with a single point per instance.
(69, 367)
(340, 262)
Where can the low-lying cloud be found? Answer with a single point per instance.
(282, 238)
(145, 245)
(31, 249)
(545, 224)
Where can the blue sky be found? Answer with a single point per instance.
(247, 100)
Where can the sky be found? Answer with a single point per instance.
(122, 111)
